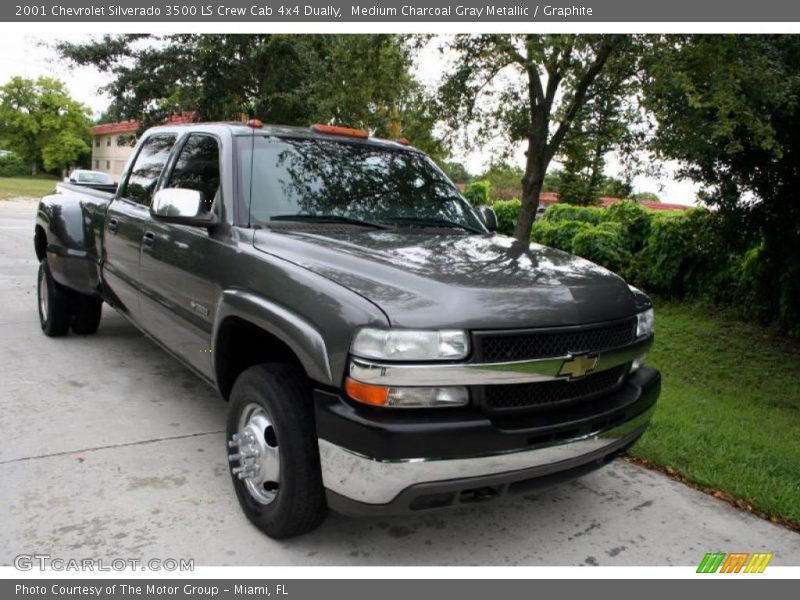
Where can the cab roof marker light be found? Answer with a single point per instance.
(336, 130)
(403, 141)
(255, 123)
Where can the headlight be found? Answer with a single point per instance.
(407, 344)
(644, 325)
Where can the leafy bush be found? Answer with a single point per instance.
(477, 192)
(658, 266)
(557, 234)
(603, 244)
(696, 254)
(569, 212)
(12, 165)
(634, 219)
(507, 212)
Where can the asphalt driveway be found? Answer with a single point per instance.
(112, 449)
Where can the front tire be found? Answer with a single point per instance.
(273, 451)
(54, 303)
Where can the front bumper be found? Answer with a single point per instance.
(389, 462)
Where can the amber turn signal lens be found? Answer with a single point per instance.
(366, 393)
(335, 130)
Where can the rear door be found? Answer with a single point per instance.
(179, 262)
(125, 221)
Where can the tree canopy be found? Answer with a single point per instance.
(42, 124)
(535, 89)
(728, 108)
(354, 80)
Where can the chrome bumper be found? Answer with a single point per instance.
(528, 371)
(370, 481)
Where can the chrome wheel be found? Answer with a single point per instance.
(256, 456)
(43, 294)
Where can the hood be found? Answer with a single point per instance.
(425, 279)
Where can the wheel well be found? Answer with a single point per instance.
(241, 344)
(40, 242)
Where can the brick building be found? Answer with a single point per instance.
(112, 143)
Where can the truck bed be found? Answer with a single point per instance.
(71, 221)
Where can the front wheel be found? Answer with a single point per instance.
(273, 451)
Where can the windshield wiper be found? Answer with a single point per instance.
(432, 222)
(330, 219)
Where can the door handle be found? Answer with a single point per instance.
(149, 238)
(113, 223)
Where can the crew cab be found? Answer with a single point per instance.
(381, 348)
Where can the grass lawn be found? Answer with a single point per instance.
(32, 187)
(729, 413)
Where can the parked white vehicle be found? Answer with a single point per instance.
(84, 176)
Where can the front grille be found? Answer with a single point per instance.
(548, 393)
(500, 346)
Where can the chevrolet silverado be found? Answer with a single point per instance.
(381, 348)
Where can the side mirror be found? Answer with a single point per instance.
(181, 205)
(73, 180)
(488, 216)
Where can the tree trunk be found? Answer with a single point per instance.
(527, 212)
(532, 185)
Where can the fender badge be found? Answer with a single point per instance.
(199, 308)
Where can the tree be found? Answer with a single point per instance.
(602, 128)
(552, 180)
(354, 80)
(649, 196)
(531, 89)
(728, 108)
(616, 188)
(42, 124)
(456, 171)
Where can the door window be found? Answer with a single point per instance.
(147, 169)
(197, 168)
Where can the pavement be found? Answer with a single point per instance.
(112, 449)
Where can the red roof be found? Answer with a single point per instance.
(118, 127)
(547, 198)
(189, 116)
(651, 204)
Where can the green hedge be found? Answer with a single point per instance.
(570, 212)
(603, 244)
(507, 212)
(684, 254)
(477, 192)
(558, 234)
(12, 165)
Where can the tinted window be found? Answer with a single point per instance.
(320, 177)
(147, 168)
(197, 168)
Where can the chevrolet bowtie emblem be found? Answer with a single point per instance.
(576, 367)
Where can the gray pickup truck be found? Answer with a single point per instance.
(381, 349)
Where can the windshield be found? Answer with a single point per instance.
(320, 178)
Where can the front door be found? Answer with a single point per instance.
(178, 261)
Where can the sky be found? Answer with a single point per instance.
(31, 56)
